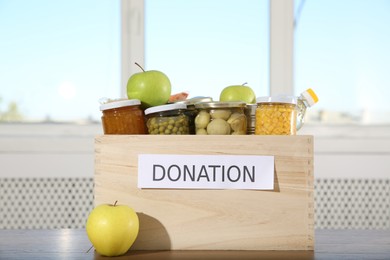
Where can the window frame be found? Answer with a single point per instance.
(335, 146)
(281, 42)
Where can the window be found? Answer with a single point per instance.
(204, 46)
(58, 58)
(317, 64)
(341, 51)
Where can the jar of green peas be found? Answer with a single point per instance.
(169, 119)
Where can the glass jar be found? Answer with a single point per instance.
(250, 112)
(220, 118)
(191, 111)
(123, 117)
(276, 115)
(167, 120)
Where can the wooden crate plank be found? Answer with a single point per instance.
(282, 219)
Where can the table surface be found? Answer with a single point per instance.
(74, 244)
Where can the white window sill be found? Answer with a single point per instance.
(67, 150)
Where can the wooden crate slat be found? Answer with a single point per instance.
(282, 219)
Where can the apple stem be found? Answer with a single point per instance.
(89, 249)
(139, 66)
(245, 83)
(115, 203)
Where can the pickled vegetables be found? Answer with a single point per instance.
(225, 118)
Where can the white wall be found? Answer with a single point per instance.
(47, 150)
(67, 150)
(350, 151)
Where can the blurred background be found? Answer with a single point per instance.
(58, 58)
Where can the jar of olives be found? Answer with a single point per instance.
(220, 118)
(167, 120)
(123, 117)
(276, 115)
(191, 111)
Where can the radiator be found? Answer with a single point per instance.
(52, 203)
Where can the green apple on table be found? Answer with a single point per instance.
(238, 93)
(112, 229)
(152, 88)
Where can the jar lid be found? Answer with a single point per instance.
(194, 100)
(277, 99)
(218, 104)
(163, 108)
(250, 108)
(120, 103)
(310, 96)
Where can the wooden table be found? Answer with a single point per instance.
(74, 244)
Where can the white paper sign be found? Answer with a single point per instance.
(169, 171)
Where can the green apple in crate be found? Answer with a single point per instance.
(152, 87)
(238, 93)
(112, 229)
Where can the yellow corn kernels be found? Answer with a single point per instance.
(276, 119)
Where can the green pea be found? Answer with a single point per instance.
(168, 125)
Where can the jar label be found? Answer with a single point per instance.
(171, 171)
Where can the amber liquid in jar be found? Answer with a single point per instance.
(124, 120)
(276, 119)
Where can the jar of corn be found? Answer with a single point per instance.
(276, 115)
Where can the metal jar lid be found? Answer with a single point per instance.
(194, 100)
(218, 104)
(163, 108)
(120, 103)
(250, 109)
(277, 99)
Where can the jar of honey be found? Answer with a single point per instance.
(123, 117)
(276, 115)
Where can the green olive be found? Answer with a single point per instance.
(202, 119)
(201, 131)
(221, 114)
(218, 127)
(237, 122)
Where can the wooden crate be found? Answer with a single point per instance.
(173, 219)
